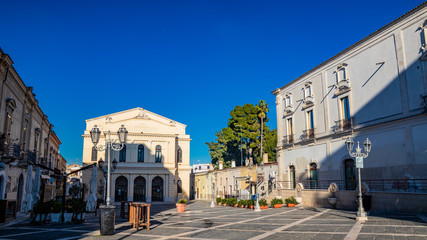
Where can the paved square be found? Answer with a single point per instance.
(202, 222)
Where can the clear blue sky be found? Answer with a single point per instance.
(191, 61)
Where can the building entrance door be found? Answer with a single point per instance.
(157, 190)
(139, 189)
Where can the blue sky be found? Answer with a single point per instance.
(191, 61)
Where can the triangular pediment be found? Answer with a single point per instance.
(137, 120)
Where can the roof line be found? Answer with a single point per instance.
(411, 12)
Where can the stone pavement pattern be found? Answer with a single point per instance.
(202, 222)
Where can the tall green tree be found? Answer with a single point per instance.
(245, 129)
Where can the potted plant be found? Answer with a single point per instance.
(218, 200)
(291, 201)
(68, 215)
(79, 208)
(251, 203)
(240, 203)
(233, 202)
(263, 204)
(224, 202)
(180, 206)
(55, 216)
(276, 203)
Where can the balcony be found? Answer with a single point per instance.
(288, 141)
(10, 152)
(343, 126)
(30, 156)
(308, 135)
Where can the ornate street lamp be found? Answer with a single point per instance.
(104, 170)
(257, 207)
(108, 211)
(359, 155)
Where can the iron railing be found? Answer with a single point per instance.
(374, 185)
(307, 135)
(288, 140)
(343, 125)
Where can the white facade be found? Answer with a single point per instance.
(155, 163)
(201, 167)
(374, 89)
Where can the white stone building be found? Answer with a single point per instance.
(154, 166)
(374, 89)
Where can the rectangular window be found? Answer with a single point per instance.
(290, 130)
(345, 108)
(310, 119)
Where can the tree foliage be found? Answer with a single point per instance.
(242, 133)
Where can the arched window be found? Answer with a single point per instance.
(141, 153)
(121, 189)
(157, 189)
(179, 156)
(158, 154)
(122, 156)
(349, 174)
(94, 154)
(313, 176)
(179, 186)
(292, 176)
(139, 189)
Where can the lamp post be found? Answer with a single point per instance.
(104, 170)
(108, 211)
(213, 174)
(257, 207)
(359, 155)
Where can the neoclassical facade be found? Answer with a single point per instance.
(376, 89)
(154, 164)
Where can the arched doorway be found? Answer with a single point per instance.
(20, 190)
(157, 190)
(349, 174)
(292, 176)
(121, 193)
(313, 176)
(139, 189)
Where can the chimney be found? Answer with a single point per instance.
(220, 163)
(233, 163)
(265, 158)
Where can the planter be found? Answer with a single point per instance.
(236, 205)
(264, 207)
(41, 217)
(252, 206)
(68, 217)
(225, 204)
(277, 206)
(219, 204)
(55, 217)
(332, 200)
(180, 207)
(291, 205)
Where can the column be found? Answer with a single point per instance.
(130, 187)
(148, 188)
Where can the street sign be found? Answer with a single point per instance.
(359, 162)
